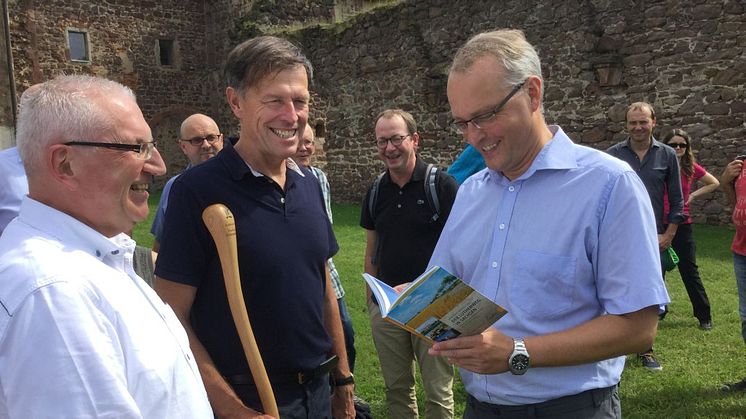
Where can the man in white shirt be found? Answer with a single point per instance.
(81, 335)
(13, 185)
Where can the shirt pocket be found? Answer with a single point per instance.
(543, 285)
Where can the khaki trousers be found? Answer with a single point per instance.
(397, 352)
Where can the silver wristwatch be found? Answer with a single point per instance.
(519, 360)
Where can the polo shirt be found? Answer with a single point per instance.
(284, 239)
(403, 223)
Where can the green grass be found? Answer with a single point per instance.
(695, 363)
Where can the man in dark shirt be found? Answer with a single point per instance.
(289, 298)
(658, 168)
(401, 234)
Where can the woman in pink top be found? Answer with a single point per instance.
(683, 242)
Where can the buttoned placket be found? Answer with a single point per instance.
(123, 260)
(500, 234)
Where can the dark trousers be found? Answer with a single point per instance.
(684, 246)
(311, 400)
(600, 403)
(349, 333)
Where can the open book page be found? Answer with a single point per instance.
(385, 295)
(437, 306)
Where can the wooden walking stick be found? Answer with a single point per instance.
(222, 226)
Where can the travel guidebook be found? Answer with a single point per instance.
(436, 306)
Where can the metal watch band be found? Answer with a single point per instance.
(519, 360)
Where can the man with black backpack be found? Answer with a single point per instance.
(404, 212)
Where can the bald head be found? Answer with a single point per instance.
(200, 138)
(194, 122)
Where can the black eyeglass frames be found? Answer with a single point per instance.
(395, 140)
(197, 141)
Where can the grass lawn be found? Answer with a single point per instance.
(695, 363)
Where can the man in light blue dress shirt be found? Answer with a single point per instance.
(548, 231)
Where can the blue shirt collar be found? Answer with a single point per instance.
(557, 154)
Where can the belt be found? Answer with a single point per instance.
(302, 377)
(587, 398)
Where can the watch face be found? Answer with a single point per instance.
(519, 363)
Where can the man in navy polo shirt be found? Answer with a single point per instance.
(284, 240)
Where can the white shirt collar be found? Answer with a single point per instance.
(289, 163)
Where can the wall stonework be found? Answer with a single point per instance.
(123, 37)
(7, 122)
(685, 57)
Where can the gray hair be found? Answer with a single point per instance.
(62, 109)
(253, 60)
(510, 47)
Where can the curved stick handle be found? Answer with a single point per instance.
(222, 226)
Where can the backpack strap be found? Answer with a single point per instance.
(372, 197)
(431, 191)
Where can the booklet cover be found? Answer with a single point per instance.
(436, 306)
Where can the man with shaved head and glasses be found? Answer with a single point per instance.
(199, 139)
(81, 335)
(402, 226)
(547, 231)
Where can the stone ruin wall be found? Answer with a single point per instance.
(686, 58)
(123, 35)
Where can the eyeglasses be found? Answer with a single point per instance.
(197, 141)
(144, 150)
(678, 145)
(480, 121)
(395, 140)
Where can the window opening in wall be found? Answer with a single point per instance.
(320, 130)
(77, 43)
(165, 52)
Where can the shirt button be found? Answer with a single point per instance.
(398, 205)
(494, 264)
(511, 188)
(502, 226)
(401, 193)
(282, 200)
